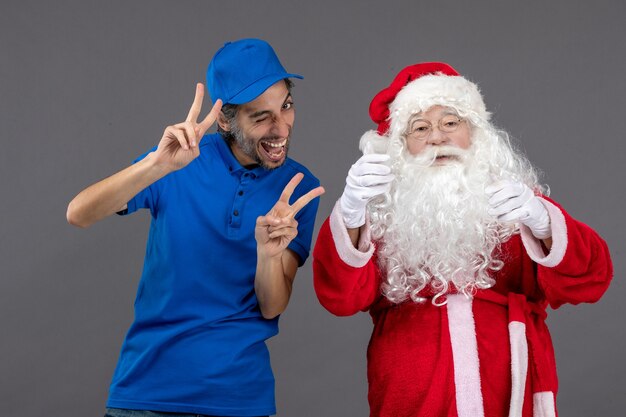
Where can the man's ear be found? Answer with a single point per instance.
(223, 123)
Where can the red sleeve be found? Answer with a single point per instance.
(344, 285)
(578, 267)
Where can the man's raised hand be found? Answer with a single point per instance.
(179, 144)
(278, 227)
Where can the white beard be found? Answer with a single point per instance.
(434, 232)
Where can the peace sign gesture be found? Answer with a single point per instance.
(179, 144)
(278, 227)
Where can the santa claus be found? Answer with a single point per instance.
(444, 234)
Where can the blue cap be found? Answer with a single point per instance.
(242, 70)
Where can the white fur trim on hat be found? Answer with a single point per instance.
(436, 89)
(372, 142)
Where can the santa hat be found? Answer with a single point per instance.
(417, 88)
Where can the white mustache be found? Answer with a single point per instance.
(428, 155)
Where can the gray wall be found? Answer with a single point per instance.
(86, 86)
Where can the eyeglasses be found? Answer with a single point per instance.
(422, 129)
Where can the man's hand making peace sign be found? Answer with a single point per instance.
(277, 228)
(176, 149)
(180, 142)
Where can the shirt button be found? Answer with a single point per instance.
(236, 213)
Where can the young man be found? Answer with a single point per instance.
(445, 235)
(231, 223)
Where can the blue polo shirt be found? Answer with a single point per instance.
(197, 344)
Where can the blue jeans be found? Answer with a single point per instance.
(122, 412)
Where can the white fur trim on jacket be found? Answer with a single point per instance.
(543, 404)
(352, 256)
(559, 238)
(469, 397)
(519, 366)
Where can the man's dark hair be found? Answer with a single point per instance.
(230, 113)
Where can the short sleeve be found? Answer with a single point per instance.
(146, 198)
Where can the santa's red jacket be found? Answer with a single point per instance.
(488, 356)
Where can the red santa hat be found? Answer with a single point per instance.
(417, 88)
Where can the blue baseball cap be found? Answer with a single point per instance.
(241, 71)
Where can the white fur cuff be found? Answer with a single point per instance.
(559, 238)
(352, 256)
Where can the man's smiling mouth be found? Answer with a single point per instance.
(274, 150)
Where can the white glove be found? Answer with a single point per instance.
(513, 202)
(367, 178)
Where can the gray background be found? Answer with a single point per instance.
(87, 86)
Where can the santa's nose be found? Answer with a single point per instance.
(437, 137)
